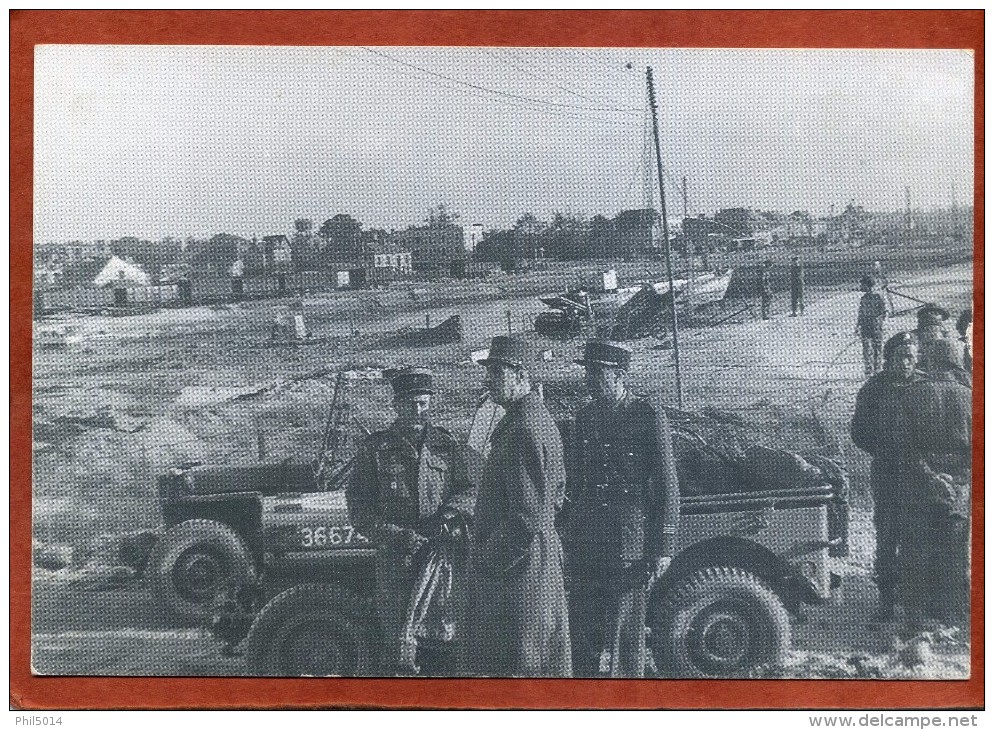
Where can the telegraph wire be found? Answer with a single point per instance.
(546, 79)
(483, 88)
(526, 106)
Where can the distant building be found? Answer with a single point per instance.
(637, 231)
(474, 237)
(278, 251)
(350, 265)
(735, 223)
(433, 248)
(389, 254)
(116, 271)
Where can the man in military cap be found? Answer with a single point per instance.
(409, 482)
(519, 613)
(880, 428)
(623, 515)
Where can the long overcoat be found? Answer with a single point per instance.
(519, 617)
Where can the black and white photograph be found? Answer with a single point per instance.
(511, 362)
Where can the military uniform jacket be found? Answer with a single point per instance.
(404, 481)
(939, 414)
(878, 425)
(624, 493)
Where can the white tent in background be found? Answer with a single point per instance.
(117, 269)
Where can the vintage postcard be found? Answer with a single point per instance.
(445, 363)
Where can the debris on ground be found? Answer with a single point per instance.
(51, 556)
(447, 332)
(202, 396)
(107, 562)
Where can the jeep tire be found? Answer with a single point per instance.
(719, 622)
(314, 630)
(194, 563)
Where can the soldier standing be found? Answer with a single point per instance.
(964, 325)
(796, 286)
(237, 271)
(766, 288)
(622, 522)
(935, 554)
(870, 325)
(931, 326)
(879, 428)
(519, 614)
(409, 482)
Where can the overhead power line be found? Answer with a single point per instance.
(485, 89)
(546, 79)
(511, 103)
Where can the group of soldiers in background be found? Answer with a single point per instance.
(915, 419)
(413, 481)
(765, 287)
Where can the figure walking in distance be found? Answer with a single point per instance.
(518, 613)
(237, 272)
(870, 325)
(623, 514)
(878, 427)
(796, 286)
(765, 288)
(409, 482)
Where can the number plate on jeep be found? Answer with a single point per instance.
(331, 537)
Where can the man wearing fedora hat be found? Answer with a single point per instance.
(519, 614)
(623, 515)
(409, 482)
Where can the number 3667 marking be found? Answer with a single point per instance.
(333, 536)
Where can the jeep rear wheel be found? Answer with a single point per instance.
(720, 622)
(314, 630)
(195, 562)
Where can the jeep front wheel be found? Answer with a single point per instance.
(720, 622)
(312, 630)
(194, 562)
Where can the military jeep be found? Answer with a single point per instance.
(274, 562)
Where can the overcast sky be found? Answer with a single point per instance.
(155, 141)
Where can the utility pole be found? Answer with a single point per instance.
(685, 197)
(907, 210)
(666, 236)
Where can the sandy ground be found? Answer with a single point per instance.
(91, 478)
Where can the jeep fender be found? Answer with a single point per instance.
(735, 552)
